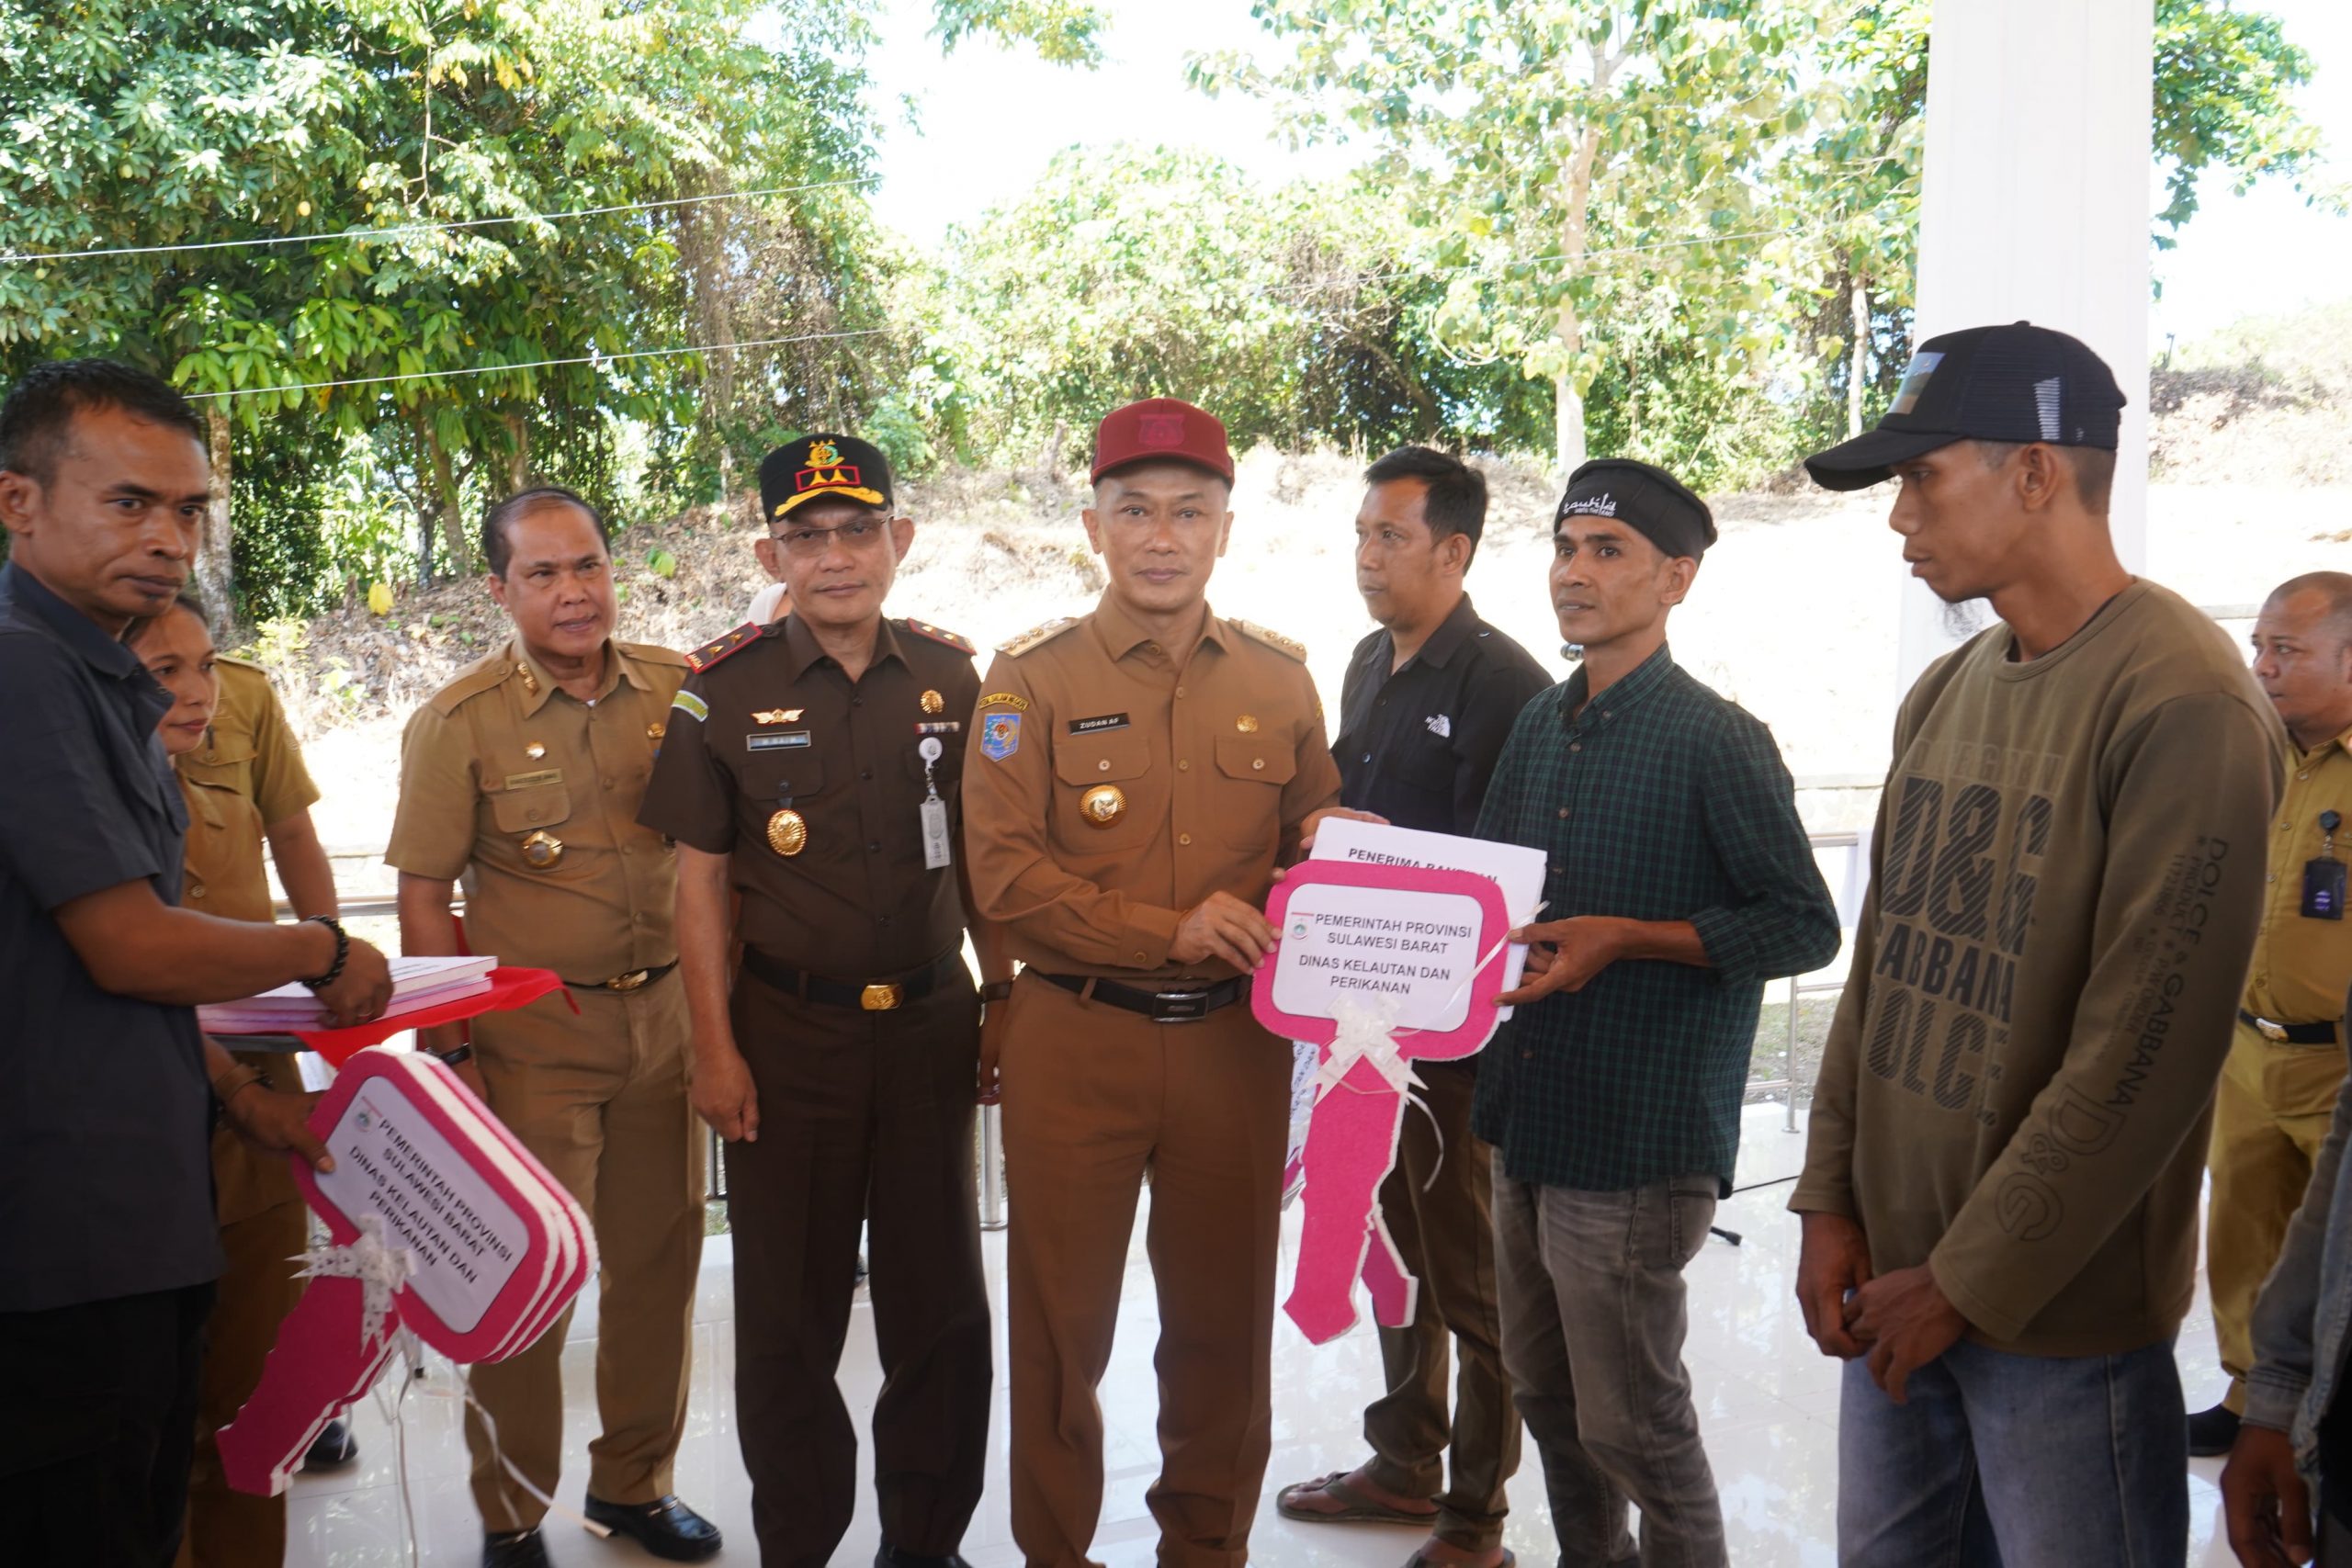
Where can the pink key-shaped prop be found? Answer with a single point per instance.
(498, 1251)
(1361, 938)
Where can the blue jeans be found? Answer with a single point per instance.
(2002, 1460)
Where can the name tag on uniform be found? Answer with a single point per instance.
(1097, 724)
(526, 781)
(788, 740)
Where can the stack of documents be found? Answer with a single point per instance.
(417, 983)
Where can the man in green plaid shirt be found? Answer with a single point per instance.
(1680, 881)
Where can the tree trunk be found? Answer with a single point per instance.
(1568, 417)
(518, 451)
(456, 549)
(215, 566)
(1857, 367)
(1567, 426)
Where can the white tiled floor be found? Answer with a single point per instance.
(1769, 1404)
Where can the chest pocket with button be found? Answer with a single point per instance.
(766, 780)
(517, 814)
(1086, 768)
(1251, 770)
(227, 761)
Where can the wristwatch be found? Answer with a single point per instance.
(457, 1058)
(342, 952)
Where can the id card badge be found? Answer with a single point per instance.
(938, 848)
(2324, 889)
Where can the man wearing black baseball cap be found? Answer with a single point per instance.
(2008, 1133)
(1679, 881)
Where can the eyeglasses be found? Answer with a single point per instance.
(810, 543)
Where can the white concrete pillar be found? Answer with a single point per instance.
(2034, 207)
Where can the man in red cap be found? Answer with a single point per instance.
(1142, 770)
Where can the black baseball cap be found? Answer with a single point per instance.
(2018, 383)
(822, 465)
(1654, 502)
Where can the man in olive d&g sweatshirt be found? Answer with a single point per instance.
(2002, 1166)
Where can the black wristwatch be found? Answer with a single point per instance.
(457, 1058)
(342, 952)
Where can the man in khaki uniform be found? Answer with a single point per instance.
(524, 777)
(2278, 1085)
(1141, 772)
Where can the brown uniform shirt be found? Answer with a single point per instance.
(1216, 757)
(771, 723)
(2303, 965)
(530, 796)
(250, 749)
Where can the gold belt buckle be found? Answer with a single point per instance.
(628, 982)
(878, 999)
(2270, 1031)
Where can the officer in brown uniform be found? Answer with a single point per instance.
(813, 767)
(1143, 770)
(523, 776)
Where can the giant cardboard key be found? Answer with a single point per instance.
(442, 1225)
(1379, 964)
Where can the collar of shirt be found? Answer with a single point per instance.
(2298, 757)
(1629, 690)
(1121, 634)
(542, 687)
(1380, 653)
(76, 630)
(803, 651)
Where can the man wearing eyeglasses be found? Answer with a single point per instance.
(813, 766)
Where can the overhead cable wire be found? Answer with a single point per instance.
(434, 227)
(536, 364)
(1310, 286)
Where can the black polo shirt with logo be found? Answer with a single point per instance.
(105, 1114)
(1417, 746)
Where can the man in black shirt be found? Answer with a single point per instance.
(1428, 700)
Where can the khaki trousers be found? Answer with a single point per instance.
(862, 1115)
(601, 1099)
(1439, 1203)
(264, 1225)
(1094, 1098)
(2270, 1115)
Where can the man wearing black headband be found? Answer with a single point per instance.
(2008, 1133)
(1679, 881)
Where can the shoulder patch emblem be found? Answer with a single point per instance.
(1036, 637)
(711, 653)
(1272, 639)
(1013, 700)
(692, 706)
(938, 634)
(1000, 735)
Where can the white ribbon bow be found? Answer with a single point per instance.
(380, 1270)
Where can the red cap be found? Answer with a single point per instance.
(1161, 427)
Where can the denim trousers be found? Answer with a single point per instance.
(2001, 1460)
(1594, 1316)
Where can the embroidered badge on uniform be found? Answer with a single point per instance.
(692, 706)
(1000, 735)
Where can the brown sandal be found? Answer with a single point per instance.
(1355, 1508)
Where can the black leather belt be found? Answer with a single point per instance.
(879, 996)
(1160, 1007)
(2289, 1033)
(627, 980)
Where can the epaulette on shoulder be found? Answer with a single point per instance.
(1036, 637)
(653, 653)
(938, 634)
(1274, 641)
(482, 675)
(710, 653)
(232, 660)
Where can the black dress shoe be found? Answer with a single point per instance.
(332, 1448)
(514, 1549)
(2213, 1432)
(665, 1527)
(891, 1557)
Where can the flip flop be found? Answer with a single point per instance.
(1356, 1510)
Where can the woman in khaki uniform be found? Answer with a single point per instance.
(263, 1221)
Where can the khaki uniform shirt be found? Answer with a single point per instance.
(771, 724)
(250, 749)
(1116, 784)
(2301, 965)
(530, 796)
